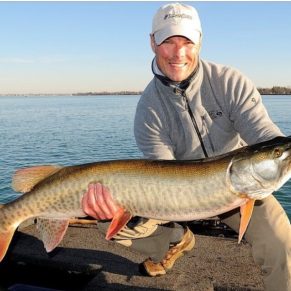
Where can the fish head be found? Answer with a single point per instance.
(273, 164)
(261, 169)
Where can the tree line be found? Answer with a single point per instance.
(108, 93)
(276, 90)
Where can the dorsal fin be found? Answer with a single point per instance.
(25, 179)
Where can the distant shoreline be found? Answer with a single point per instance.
(121, 93)
(108, 93)
(276, 90)
(275, 94)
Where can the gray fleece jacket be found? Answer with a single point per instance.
(227, 108)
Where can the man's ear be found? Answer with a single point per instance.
(153, 43)
(199, 44)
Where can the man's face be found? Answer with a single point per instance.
(176, 57)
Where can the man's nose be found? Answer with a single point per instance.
(179, 50)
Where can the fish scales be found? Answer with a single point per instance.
(166, 190)
(167, 193)
(129, 183)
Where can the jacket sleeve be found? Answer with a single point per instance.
(150, 133)
(247, 111)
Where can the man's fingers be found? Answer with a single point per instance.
(111, 206)
(90, 205)
(101, 196)
(97, 202)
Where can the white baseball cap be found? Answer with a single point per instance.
(176, 19)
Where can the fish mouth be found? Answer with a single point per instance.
(286, 154)
(277, 173)
(261, 176)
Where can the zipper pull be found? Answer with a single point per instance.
(178, 91)
(186, 102)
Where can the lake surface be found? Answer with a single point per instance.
(69, 130)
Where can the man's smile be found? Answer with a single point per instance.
(178, 65)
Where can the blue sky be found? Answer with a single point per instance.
(68, 47)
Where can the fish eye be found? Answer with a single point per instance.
(277, 153)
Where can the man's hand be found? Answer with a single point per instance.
(98, 203)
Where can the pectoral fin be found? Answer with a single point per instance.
(119, 220)
(51, 231)
(246, 211)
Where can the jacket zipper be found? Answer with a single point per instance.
(207, 133)
(195, 124)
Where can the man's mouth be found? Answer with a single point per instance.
(178, 65)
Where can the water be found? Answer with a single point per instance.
(63, 130)
(69, 130)
(279, 110)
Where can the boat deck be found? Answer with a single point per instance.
(86, 261)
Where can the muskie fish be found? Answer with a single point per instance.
(165, 190)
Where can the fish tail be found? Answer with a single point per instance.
(7, 231)
(5, 239)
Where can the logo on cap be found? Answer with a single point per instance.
(174, 15)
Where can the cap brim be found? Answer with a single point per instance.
(186, 31)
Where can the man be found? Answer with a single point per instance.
(194, 109)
